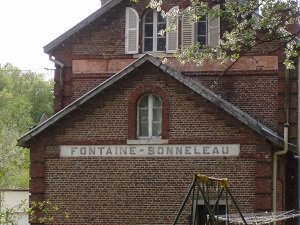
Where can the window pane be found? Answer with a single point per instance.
(149, 17)
(160, 18)
(143, 113)
(156, 101)
(160, 27)
(201, 28)
(153, 24)
(161, 44)
(148, 44)
(157, 115)
(150, 116)
(156, 129)
(143, 103)
(143, 130)
(202, 40)
(203, 18)
(148, 30)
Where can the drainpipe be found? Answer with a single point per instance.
(275, 161)
(52, 59)
(61, 80)
(285, 137)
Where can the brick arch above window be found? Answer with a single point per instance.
(132, 109)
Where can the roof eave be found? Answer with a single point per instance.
(198, 88)
(80, 25)
(77, 103)
(226, 106)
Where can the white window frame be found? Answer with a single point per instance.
(155, 32)
(150, 117)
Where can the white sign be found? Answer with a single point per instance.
(149, 150)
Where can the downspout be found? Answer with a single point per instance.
(275, 161)
(61, 80)
(285, 149)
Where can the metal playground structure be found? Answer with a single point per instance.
(210, 190)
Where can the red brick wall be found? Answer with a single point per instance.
(137, 191)
(103, 37)
(146, 190)
(81, 85)
(150, 190)
(255, 94)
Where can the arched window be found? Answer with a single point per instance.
(153, 23)
(149, 116)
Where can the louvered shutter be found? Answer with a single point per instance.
(172, 36)
(214, 30)
(188, 32)
(132, 31)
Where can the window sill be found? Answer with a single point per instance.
(155, 54)
(148, 142)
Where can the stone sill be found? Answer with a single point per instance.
(148, 142)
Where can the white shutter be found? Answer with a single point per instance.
(131, 31)
(172, 36)
(214, 30)
(188, 32)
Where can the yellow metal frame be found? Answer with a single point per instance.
(222, 182)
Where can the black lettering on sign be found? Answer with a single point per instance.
(73, 149)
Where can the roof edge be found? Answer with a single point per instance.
(226, 106)
(80, 25)
(54, 118)
(232, 110)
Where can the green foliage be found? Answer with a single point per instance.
(15, 110)
(29, 88)
(10, 216)
(24, 97)
(14, 162)
(46, 207)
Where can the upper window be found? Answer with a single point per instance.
(205, 31)
(153, 23)
(201, 31)
(149, 116)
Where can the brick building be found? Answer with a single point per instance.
(129, 132)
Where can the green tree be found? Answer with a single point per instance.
(24, 98)
(15, 110)
(32, 87)
(14, 160)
